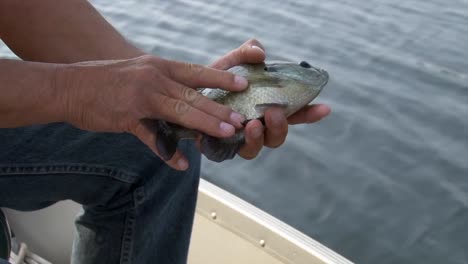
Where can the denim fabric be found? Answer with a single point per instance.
(135, 208)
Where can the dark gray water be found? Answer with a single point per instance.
(384, 179)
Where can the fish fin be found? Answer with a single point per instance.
(261, 108)
(220, 149)
(166, 137)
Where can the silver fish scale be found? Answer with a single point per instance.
(292, 98)
(286, 84)
(289, 85)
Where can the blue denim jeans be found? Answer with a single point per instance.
(135, 208)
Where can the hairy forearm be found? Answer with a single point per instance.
(62, 31)
(28, 93)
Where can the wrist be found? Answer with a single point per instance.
(67, 85)
(76, 87)
(59, 92)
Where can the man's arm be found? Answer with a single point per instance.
(61, 31)
(72, 30)
(102, 95)
(27, 93)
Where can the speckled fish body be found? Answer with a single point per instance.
(290, 86)
(284, 84)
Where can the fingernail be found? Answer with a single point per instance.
(237, 118)
(182, 163)
(257, 47)
(227, 128)
(240, 81)
(257, 132)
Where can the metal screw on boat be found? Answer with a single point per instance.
(262, 243)
(213, 215)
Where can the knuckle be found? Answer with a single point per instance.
(194, 69)
(193, 73)
(231, 61)
(181, 107)
(242, 51)
(191, 95)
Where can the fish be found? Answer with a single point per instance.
(288, 85)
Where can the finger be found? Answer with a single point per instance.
(206, 105)
(309, 114)
(180, 112)
(253, 140)
(148, 137)
(276, 127)
(251, 51)
(196, 76)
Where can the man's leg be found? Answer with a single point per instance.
(135, 208)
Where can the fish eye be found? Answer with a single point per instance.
(304, 64)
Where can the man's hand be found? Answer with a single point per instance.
(274, 134)
(117, 96)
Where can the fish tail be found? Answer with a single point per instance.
(166, 137)
(220, 149)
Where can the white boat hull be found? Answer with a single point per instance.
(226, 230)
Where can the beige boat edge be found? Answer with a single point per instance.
(230, 230)
(227, 230)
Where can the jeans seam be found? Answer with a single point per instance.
(67, 168)
(127, 238)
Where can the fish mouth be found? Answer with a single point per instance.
(325, 75)
(322, 77)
